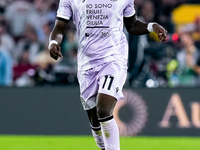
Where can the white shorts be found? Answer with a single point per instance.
(108, 78)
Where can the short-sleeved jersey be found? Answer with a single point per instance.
(99, 26)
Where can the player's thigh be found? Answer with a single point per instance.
(88, 88)
(112, 80)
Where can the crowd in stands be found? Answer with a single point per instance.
(25, 26)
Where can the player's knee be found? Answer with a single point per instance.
(94, 121)
(105, 105)
(103, 112)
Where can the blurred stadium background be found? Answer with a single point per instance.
(39, 97)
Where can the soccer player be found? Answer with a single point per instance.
(102, 57)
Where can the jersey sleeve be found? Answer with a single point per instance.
(129, 9)
(64, 10)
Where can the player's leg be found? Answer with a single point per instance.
(105, 106)
(88, 93)
(96, 127)
(111, 81)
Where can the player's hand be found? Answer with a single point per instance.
(162, 33)
(55, 51)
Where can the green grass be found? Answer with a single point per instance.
(87, 143)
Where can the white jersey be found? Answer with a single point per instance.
(99, 26)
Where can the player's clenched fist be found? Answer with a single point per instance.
(162, 33)
(55, 51)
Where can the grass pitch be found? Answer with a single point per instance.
(8, 142)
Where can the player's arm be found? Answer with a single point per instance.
(137, 27)
(56, 38)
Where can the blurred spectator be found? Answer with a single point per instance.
(2, 7)
(5, 67)
(21, 70)
(196, 34)
(6, 40)
(29, 43)
(43, 61)
(17, 14)
(46, 30)
(137, 44)
(163, 16)
(70, 45)
(45, 13)
(6, 47)
(147, 11)
(138, 4)
(188, 64)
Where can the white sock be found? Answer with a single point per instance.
(110, 133)
(97, 134)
